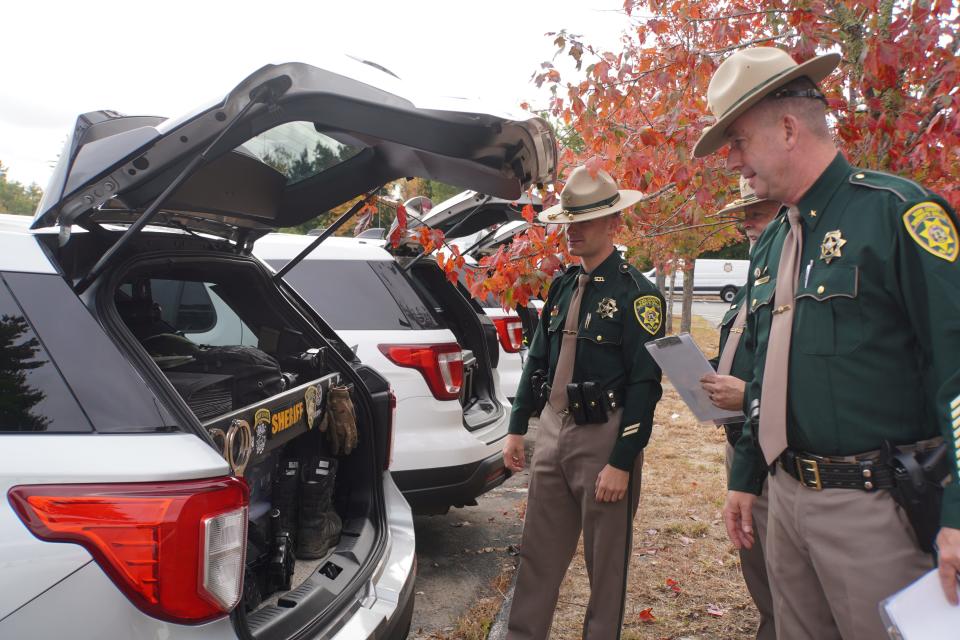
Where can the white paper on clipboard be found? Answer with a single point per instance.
(684, 363)
(920, 612)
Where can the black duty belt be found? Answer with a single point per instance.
(819, 472)
(612, 400)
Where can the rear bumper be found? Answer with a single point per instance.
(434, 490)
(388, 608)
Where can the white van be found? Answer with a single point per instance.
(710, 276)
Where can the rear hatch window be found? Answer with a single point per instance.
(360, 295)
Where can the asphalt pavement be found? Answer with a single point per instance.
(711, 311)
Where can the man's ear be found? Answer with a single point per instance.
(791, 131)
(616, 222)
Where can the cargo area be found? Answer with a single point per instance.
(281, 406)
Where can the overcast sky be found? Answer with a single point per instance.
(62, 59)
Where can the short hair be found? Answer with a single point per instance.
(812, 111)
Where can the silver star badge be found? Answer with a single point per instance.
(832, 244)
(607, 307)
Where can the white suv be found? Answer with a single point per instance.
(450, 416)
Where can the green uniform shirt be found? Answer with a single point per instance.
(620, 311)
(749, 470)
(875, 351)
(742, 366)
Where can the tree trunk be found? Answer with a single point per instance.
(686, 315)
(661, 280)
(669, 310)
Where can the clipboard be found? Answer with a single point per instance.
(682, 361)
(920, 612)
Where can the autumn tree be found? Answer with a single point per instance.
(16, 197)
(638, 111)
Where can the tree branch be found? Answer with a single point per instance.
(741, 45)
(745, 14)
(680, 228)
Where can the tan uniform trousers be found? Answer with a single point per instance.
(754, 566)
(833, 555)
(567, 459)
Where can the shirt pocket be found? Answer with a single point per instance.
(828, 319)
(761, 295)
(602, 332)
(556, 318)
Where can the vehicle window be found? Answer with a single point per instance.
(33, 395)
(185, 305)
(356, 294)
(298, 150)
(190, 308)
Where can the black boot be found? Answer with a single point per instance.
(319, 526)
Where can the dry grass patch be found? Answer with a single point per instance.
(475, 624)
(685, 581)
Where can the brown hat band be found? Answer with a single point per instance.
(594, 206)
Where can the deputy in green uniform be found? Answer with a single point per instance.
(726, 388)
(588, 363)
(856, 361)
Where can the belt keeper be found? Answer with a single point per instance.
(866, 470)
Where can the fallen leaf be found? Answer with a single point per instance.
(715, 610)
(674, 585)
(646, 615)
(685, 541)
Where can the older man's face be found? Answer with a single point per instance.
(756, 217)
(756, 150)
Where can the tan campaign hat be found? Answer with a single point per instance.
(747, 197)
(745, 78)
(586, 197)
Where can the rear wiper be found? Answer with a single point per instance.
(405, 268)
(267, 92)
(326, 233)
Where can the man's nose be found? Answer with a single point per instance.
(733, 162)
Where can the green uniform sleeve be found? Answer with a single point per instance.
(523, 404)
(929, 274)
(642, 390)
(538, 355)
(748, 470)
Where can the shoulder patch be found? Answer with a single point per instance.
(932, 228)
(903, 188)
(649, 313)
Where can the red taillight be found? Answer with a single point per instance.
(510, 330)
(175, 549)
(440, 364)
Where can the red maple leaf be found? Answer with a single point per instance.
(646, 615)
(527, 213)
(401, 227)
